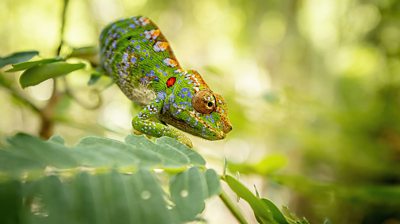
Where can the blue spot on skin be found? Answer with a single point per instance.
(166, 107)
(125, 57)
(137, 47)
(133, 60)
(209, 117)
(184, 105)
(185, 92)
(143, 80)
(161, 95)
(132, 26)
(151, 76)
(178, 112)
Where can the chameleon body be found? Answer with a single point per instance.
(138, 57)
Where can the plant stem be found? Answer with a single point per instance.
(232, 208)
(18, 96)
(47, 121)
(62, 28)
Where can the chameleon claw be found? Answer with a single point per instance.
(185, 140)
(136, 132)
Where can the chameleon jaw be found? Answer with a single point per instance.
(218, 133)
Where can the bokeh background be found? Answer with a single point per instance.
(313, 89)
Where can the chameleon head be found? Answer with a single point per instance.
(211, 111)
(195, 109)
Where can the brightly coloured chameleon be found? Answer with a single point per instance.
(138, 57)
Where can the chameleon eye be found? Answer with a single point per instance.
(204, 102)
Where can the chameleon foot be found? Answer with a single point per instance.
(185, 140)
(136, 132)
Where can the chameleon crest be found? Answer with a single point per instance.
(138, 57)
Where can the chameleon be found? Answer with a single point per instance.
(140, 60)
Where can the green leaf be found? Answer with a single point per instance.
(10, 192)
(261, 210)
(17, 57)
(26, 65)
(213, 184)
(264, 210)
(94, 77)
(100, 180)
(265, 166)
(57, 139)
(292, 218)
(40, 73)
(190, 188)
(276, 213)
(192, 155)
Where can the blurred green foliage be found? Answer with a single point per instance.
(316, 81)
(48, 182)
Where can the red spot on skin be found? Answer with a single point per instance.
(171, 81)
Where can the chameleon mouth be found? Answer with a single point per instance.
(218, 134)
(227, 127)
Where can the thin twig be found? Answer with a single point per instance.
(232, 208)
(47, 121)
(62, 28)
(19, 97)
(83, 104)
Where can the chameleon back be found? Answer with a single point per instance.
(138, 57)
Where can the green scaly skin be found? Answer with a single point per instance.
(138, 57)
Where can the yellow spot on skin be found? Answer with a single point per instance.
(155, 34)
(160, 46)
(144, 21)
(152, 34)
(170, 62)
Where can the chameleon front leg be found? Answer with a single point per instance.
(147, 122)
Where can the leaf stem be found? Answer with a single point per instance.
(232, 208)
